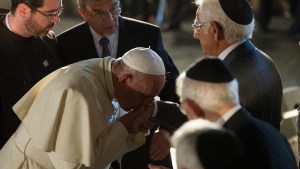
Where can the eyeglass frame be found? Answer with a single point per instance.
(199, 25)
(101, 14)
(50, 16)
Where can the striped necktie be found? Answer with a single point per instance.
(104, 43)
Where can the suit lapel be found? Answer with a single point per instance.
(88, 41)
(126, 41)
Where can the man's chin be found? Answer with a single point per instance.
(46, 31)
(42, 33)
(109, 31)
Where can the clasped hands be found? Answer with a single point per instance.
(139, 119)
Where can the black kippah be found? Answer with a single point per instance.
(210, 70)
(239, 11)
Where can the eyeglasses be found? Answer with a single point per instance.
(116, 10)
(199, 25)
(50, 16)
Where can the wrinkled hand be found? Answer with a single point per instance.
(160, 145)
(144, 120)
(139, 120)
(151, 166)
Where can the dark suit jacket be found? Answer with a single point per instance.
(22, 65)
(77, 44)
(264, 146)
(260, 87)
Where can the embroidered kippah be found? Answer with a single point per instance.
(211, 70)
(239, 11)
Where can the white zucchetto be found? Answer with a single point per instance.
(144, 60)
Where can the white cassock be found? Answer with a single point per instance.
(66, 121)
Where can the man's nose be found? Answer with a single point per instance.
(55, 19)
(108, 15)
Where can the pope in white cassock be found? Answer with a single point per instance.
(68, 119)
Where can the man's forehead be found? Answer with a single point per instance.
(102, 2)
(52, 5)
(102, 6)
(158, 84)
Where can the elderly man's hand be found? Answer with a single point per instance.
(160, 145)
(139, 120)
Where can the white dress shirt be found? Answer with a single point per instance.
(112, 45)
(223, 55)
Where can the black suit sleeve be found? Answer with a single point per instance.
(168, 93)
(169, 116)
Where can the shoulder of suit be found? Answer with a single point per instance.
(74, 29)
(138, 22)
(4, 11)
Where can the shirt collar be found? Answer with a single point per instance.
(223, 55)
(113, 42)
(228, 114)
(97, 37)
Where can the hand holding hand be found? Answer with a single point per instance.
(138, 120)
(144, 120)
(160, 145)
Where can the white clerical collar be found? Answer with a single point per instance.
(7, 22)
(223, 55)
(228, 114)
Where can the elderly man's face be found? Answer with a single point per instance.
(205, 34)
(141, 91)
(102, 15)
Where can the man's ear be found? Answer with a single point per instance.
(125, 79)
(82, 12)
(192, 109)
(23, 10)
(217, 30)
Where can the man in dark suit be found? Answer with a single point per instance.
(103, 21)
(28, 53)
(217, 100)
(77, 43)
(225, 33)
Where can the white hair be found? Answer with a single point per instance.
(184, 140)
(208, 96)
(211, 10)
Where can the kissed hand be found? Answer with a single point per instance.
(139, 120)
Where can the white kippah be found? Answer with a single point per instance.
(144, 60)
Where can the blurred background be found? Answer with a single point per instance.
(277, 33)
(277, 29)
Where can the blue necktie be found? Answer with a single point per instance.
(104, 43)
